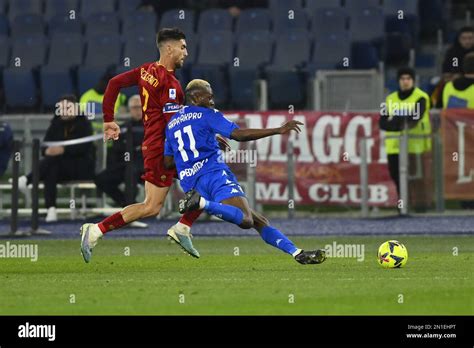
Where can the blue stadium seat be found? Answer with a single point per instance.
(87, 77)
(312, 6)
(20, 7)
(364, 55)
(283, 6)
(66, 51)
(283, 23)
(286, 88)
(292, 50)
(138, 23)
(90, 7)
(328, 20)
(183, 19)
(27, 24)
(397, 48)
(356, 5)
(63, 24)
(434, 16)
(4, 51)
(24, 46)
(367, 24)
(103, 51)
(3, 6)
(216, 48)
(128, 6)
(54, 83)
(101, 24)
(20, 88)
(329, 52)
(254, 19)
(409, 7)
(214, 19)
(216, 76)
(243, 88)
(140, 50)
(3, 25)
(61, 8)
(254, 48)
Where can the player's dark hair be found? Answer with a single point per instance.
(167, 34)
(468, 63)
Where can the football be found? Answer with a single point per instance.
(392, 254)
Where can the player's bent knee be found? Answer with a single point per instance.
(151, 210)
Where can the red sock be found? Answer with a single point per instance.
(189, 218)
(111, 223)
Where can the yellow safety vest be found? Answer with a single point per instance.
(423, 127)
(456, 98)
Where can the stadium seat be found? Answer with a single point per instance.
(90, 7)
(61, 8)
(3, 25)
(397, 48)
(216, 76)
(243, 89)
(138, 23)
(63, 24)
(128, 6)
(286, 88)
(356, 5)
(20, 7)
(66, 50)
(214, 19)
(254, 19)
(24, 46)
(20, 88)
(312, 6)
(101, 24)
(183, 19)
(409, 7)
(88, 77)
(364, 55)
(54, 83)
(140, 50)
(367, 24)
(283, 6)
(282, 22)
(216, 48)
(329, 52)
(328, 20)
(254, 48)
(103, 51)
(292, 50)
(27, 24)
(3, 6)
(4, 51)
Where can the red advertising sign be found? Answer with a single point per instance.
(327, 158)
(458, 146)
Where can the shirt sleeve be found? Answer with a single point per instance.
(126, 79)
(219, 124)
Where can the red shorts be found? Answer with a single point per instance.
(154, 167)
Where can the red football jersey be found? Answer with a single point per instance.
(161, 96)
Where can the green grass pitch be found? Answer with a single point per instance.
(158, 279)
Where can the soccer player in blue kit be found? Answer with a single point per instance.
(209, 184)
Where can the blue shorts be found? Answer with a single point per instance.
(219, 185)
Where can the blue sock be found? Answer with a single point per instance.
(224, 211)
(274, 237)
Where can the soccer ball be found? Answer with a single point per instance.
(392, 254)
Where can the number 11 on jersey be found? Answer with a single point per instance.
(192, 143)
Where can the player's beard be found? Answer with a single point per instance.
(179, 64)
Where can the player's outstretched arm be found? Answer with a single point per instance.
(254, 134)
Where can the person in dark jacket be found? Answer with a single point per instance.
(64, 163)
(453, 60)
(108, 180)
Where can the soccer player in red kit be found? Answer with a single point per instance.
(161, 96)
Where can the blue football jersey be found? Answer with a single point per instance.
(191, 140)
